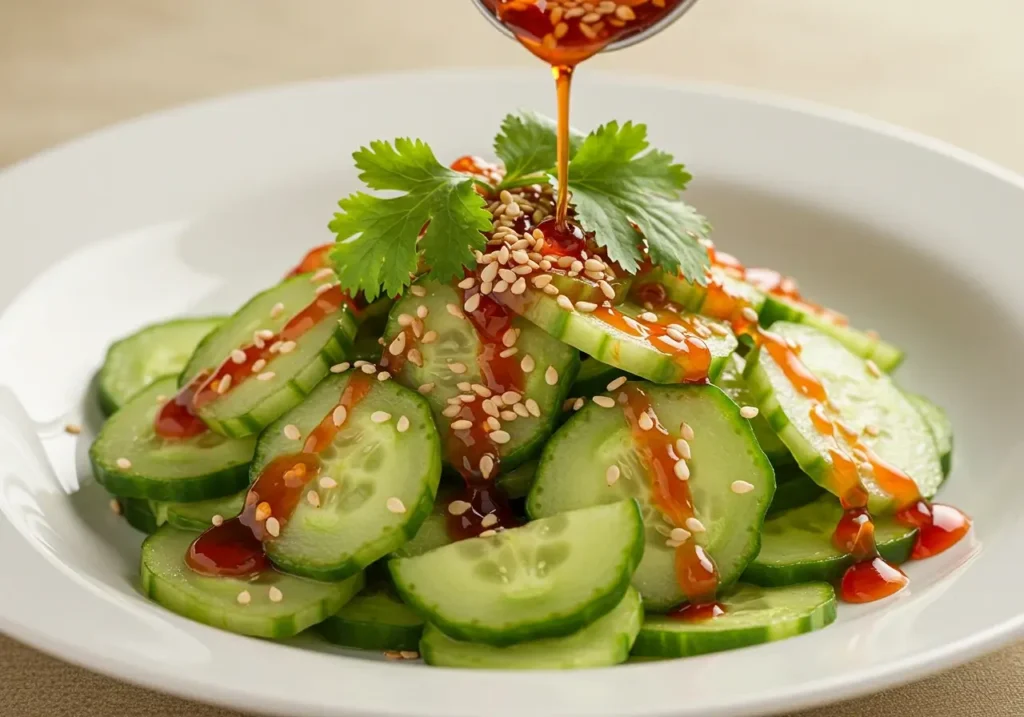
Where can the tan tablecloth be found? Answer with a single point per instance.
(950, 69)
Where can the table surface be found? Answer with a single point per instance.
(949, 69)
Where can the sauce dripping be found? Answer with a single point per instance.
(563, 37)
(235, 548)
(696, 571)
(669, 332)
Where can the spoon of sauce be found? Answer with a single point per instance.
(564, 33)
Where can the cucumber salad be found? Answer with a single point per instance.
(472, 432)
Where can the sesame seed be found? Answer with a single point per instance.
(217, 519)
(645, 421)
(273, 527)
(124, 464)
(586, 307)
(624, 12)
(455, 311)
(398, 345)
(422, 311)
(616, 383)
(604, 401)
(458, 507)
(338, 416)
(612, 475)
(606, 289)
(238, 356)
(507, 415)
(468, 283)
(686, 431)
(492, 423)
(287, 347)
(383, 376)
(500, 436)
(489, 520)
(275, 594)
(244, 598)
(360, 363)
(263, 511)
(292, 433)
(683, 448)
(509, 352)
(395, 505)
(866, 467)
(649, 317)
(872, 430)
(403, 424)
(456, 367)
(380, 416)
(749, 411)
(551, 376)
(489, 273)
(486, 466)
(313, 498)
(259, 365)
(451, 411)
(341, 367)
(694, 525)
(426, 388)
(564, 302)
(501, 287)
(551, 290)
(718, 329)
(507, 275)
(461, 425)
(472, 303)
(675, 334)
(323, 289)
(672, 543)
(417, 291)
(682, 470)
(429, 337)
(327, 483)
(527, 364)
(265, 376)
(368, 368)
(488, 533)
(741, 486)
(511, 397)
(532, 407)
(542, 280)
(115, 506)
(680, 535)
(873, 368)
(749, 314)
(577, 404)
(415, 357)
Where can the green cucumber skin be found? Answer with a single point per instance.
(940, 426)
(352, 627)
(665, 637)
(895, 552)
(886, 356)
(555, 626)
(163, 590)
(793, 492)
(602, 643)
(198, 515)
(110, 398)
(138, 514)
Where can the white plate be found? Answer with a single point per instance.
(191, 210)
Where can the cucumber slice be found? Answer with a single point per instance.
(731, 381)
(573, 468)
(626, 344)
(941, 428)
(198, 515)
(371, 463)
(693, 297)
(433, 531)
(581, 288)
(458, 342)
(606, 641)
(215, 601)
(867, 346)
(861, 400)
(594, 377)
(375, 619)
(138, 513)
(252, 404)
(205, 466)
(150, 353)
(752, 615)
(793, 489)
(517, 483)
(546, 579)
(796, 546)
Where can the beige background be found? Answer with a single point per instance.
(951, 69)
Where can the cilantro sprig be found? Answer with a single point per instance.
(624, 192)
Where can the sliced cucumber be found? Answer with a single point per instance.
(375, 619)
(198, 515)
(693, 297)
(606, 641)
(433, 531)
(594, 377)
(867, 346)
(581, 288)
(218, 601)
(150, 353)
(517, 483)
(130, 460)
(138, 513)
(866, 403)
(796, 546)
(793, 489)
(252, 404)
(629, 345)
(372, 463)
(573, 469)
(752, 615)
(940, 425)
(731, 381)
(548, 578)
(458, 342)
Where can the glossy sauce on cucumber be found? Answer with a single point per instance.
(178, 419)
(235, 547)
(697, 612)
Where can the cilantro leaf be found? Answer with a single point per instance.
(527, 144)
(615, 183)
(379, 242)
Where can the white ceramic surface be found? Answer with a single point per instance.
(191, 210)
